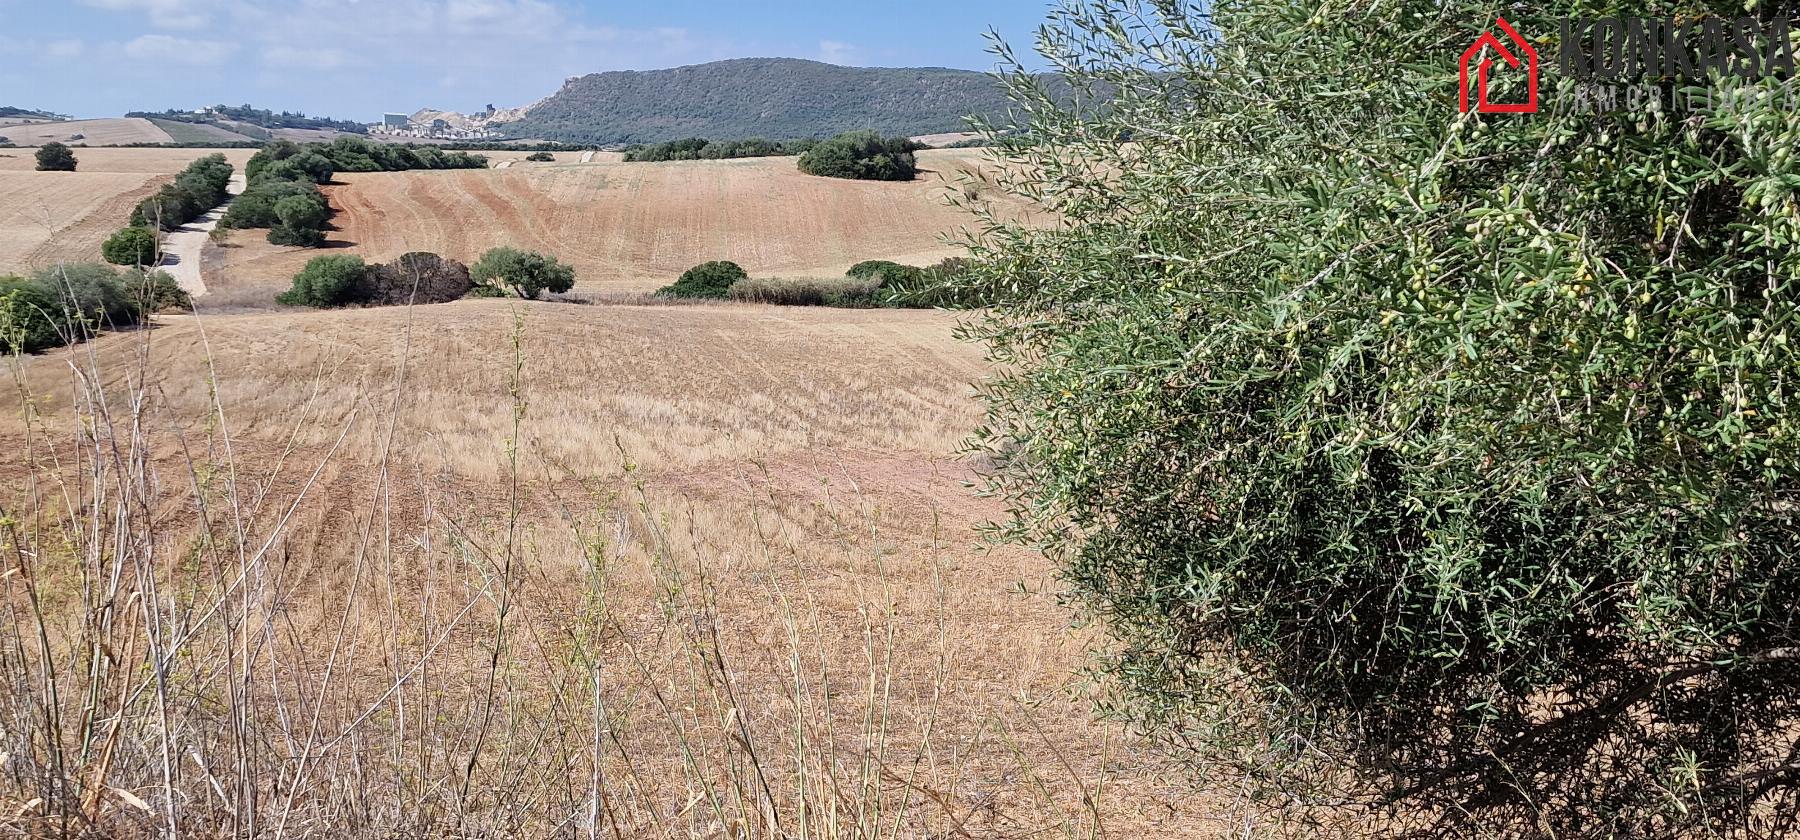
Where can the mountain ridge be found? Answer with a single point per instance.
(758, 97)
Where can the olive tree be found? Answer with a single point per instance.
(131, 246)
(1434, 461)
(527, 273)
(55, 157)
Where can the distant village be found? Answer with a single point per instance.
(403, 125)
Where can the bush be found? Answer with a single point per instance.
(155, 291)
(845, 293)
(525, 272)
(942, 286)
(55, 157)
(1440, 463)
(200, 187)
(541, 157)
(706, 280)
(862, 155)
(418, 277)
(60, 305)
(327, 282)
(256, 207)
(92, 295)
(131, 246)
(30, 318)
(300, 220)
(700, 149)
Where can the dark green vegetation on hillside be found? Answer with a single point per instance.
(699, 148)
(229, 116)
(863, 156)
(283, 192)
(68, 304)
(199, 188)
(9, 112)
(56, 157)
(1442, 464)
(760, 97)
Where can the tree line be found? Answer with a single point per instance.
(700, 148)
(283, 191)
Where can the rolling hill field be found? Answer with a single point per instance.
(46, 217)
(726, 548)
(633, 226)
(103, 132)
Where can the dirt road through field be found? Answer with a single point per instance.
(181, 248)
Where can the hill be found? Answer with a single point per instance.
(627, 227)
(11, 114)
(103, 132)
(758, 97)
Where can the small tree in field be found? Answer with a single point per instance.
(527, 273)
(55, 157)
(131, 246)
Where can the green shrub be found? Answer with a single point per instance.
(706, 280)
(843, 292)
(527, 273)
(327, 282)
(131, 246)
(200, 187)
(862, 155)
(256, 207)
(1433, 462)
(155, 291)
(300, 221)
(874, 269)
(942, 286)
(63, 304)
(30, 317)
(55, 157)
(541, 157)
(92, 295)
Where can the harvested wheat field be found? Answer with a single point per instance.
(413, 570)
(51, 217)
(117, 131)
(638, 226)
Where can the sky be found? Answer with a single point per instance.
(356, 59)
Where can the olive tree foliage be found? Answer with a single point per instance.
(55, 157)
(1436, 462)
(527, 273)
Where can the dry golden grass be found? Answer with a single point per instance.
(115, 131)
(52, 217)
(500, 568)
(637, 226)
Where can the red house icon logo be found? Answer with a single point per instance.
(1486, 42)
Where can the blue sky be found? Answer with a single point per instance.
(354, 59)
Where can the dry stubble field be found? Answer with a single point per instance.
(51, 217)
(635, 226)
(418, 562)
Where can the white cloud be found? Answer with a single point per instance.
(69, 48)
(837, 52)
(179, 50)
(328, 58)
(164, 14)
